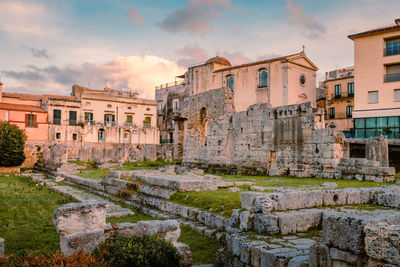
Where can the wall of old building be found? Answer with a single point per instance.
(286, 140)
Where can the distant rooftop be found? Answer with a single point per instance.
(393, 27)
(19, 107)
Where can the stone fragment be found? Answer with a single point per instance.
(186, 255)
(319, 256)
(85, 241)
(298, 261)
(59, 179)
(82, 217)
(168, 230)
(330, 185)
(267, 224)
(128, 230)
(245, 220)
(344, 256)
(234, 189)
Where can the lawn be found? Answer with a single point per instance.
(128, 166)
(223, 202)
(26, 216)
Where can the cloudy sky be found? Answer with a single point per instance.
(46, 46)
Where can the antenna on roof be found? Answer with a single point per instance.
(304, 49)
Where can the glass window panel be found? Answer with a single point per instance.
(359, 123)
(395, 133)
(359, 133)
(393, 122)
(381, 122)
(370, 133)
(370, 123)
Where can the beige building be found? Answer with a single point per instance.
(377, 79)
(339, 85)
(108, 116)
(275, 82)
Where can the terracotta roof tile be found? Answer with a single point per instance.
(373, 31)
(5, 106)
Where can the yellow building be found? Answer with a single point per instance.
(339, 86)
(377, 81)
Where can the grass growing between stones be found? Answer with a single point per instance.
(220, 201)
(128, 166)
(131, 218)
(26, 216)
(275, 181)
(203, 249)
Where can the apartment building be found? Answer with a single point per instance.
(339, 86)
(377, 81)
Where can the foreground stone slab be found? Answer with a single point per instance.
(86, 241)
(168, 230)
(382, 242)
(80, 217)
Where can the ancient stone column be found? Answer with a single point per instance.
(377, 149)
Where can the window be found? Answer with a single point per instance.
(349, 74)
(147, 122)
(109, 119)
(129, 119)
(101, 135)
(370, 127)
(74, 136)
(72, 117)
(30, 120)
(230, 81)
(349, 111)
(129, 107)
(338, 90)
(392, 47)
(109, 105)
(58, 135)
(89, 118)
(147, 109)
(263, 78)
(396, 95)
(57, 116)
(331, 113)
(373, 97)
(350, 89)
(175, 105)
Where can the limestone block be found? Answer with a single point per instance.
(299, 261)
(279, 257)
(319, 256)
(128, 230)
(85, 241)
(388, 200)
(59, 179)
(266, 223)
(234, 189)
(334, 197)
(245, 220)
(248, 199)
(2, 246)
(298, 221)
(344, 256)
(168, 230)
(343, 231)
(382, 241)
(186, 254)
(81, 217)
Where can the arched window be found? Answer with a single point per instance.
(263, 78)
(101, 135)
(230, 81)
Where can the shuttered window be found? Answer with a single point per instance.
(373, 97)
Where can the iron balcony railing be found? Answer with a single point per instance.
(73, 122)
(391, 51)
(90, 122)
(57, 121)
(342, 95)
(393, 77)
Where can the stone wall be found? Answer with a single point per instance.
(290, 140)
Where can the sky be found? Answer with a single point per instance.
(46, 46)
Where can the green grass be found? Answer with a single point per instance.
(128, 166)
(272, 181)
(131, 218)
(220, 201)
(26, 216)
(203, 249)
(223, 202)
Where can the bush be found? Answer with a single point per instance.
(147, 251)
(12, 144)
(57, 260)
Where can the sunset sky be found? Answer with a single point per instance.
(46, 46)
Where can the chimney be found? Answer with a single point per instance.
(397, 21)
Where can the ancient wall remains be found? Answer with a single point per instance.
(292, 140)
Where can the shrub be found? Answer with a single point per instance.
(12, 144)
(147, 251)
(57, 260)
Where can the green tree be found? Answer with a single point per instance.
(12, 144)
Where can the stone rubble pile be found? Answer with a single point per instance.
(82, 226)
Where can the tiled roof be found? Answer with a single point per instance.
(5, 106)
(61, 97)
(23, 96)
(374, 31)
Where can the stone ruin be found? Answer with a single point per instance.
(82, 227)
(289, 140)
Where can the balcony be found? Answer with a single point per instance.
(73, 122)
(31, 124)
(391, 51)
(90, 122)
(57, 121)
(342, 95)
(393, 77)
